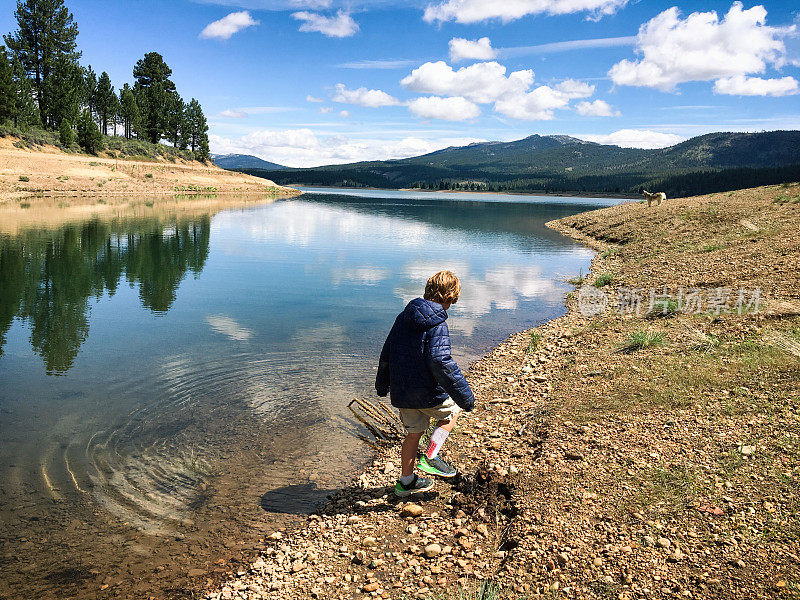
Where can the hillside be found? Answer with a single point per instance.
(707, 163)
(235, 162)
(29, 174)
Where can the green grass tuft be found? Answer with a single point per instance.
(533, 344)
(603, 280)
(577, 281)
(638, 340)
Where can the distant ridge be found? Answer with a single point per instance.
(561, 163)
(237, 162)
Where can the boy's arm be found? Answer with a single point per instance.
(445, 370)
(382, 378)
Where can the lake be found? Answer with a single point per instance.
(172, 386)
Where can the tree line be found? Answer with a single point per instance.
(679, 183)
(43, 85)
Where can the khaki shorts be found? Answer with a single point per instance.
(417, 420)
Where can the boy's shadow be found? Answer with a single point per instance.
(308, 498)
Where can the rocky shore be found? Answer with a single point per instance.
(645, 445)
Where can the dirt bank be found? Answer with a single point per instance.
(650, 453)
(28, 175)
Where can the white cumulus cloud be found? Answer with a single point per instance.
(227, 26)
(341, 25)
(463, 49)
(363, 97)
(635, 138)
(598, 108)
(482, 82)
(741, 85)
(703, 47)
(487, 82)
(454, 108)
(473, 11)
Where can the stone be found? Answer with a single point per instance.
(298, 566)
(598, 562)
(371, 587)
(562, 558)
(196, 572)
(369, 542)
(663, 542)
(748, 450)
(411, 510)
(432, 550)
(573, 455)
(482, 529)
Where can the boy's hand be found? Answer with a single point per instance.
(382, 392)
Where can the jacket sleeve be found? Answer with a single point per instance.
(445, 370)
(382, 378)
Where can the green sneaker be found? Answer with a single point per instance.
(435, 466)
(417, 486)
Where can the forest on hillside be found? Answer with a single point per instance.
(47, 96)
(708, 163)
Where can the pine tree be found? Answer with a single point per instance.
(197, 128)
(64, 93)
(129, 110)
(89, 136)
(89, 88)
(45, 43)
(8, 91)
(116, 112)
(65, 134)
(174, 118)
(152, 89)
(104, 101)
(25, 112)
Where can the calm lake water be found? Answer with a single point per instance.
(170, 385)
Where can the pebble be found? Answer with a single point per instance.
(432, 550)
(411, 510)
(663, 542)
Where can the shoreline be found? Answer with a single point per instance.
(503, 193)
(589, 476)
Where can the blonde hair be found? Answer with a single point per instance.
(444, 288)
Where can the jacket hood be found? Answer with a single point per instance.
(421, 314)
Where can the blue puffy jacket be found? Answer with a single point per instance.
(415, 363)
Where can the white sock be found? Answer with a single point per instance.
(406, 479)
(438, 437)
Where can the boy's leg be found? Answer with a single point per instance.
(408, 453)
(440, 433)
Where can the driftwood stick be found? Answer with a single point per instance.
(378, 419)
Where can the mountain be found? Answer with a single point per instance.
(711, 162)
(237, 162)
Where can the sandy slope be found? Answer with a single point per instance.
(53, 173)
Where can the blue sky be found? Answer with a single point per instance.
(309, 82)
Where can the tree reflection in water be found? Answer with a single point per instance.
(48, 276)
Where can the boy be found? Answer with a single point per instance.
(424, 380)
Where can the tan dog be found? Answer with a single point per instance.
(658, 197)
